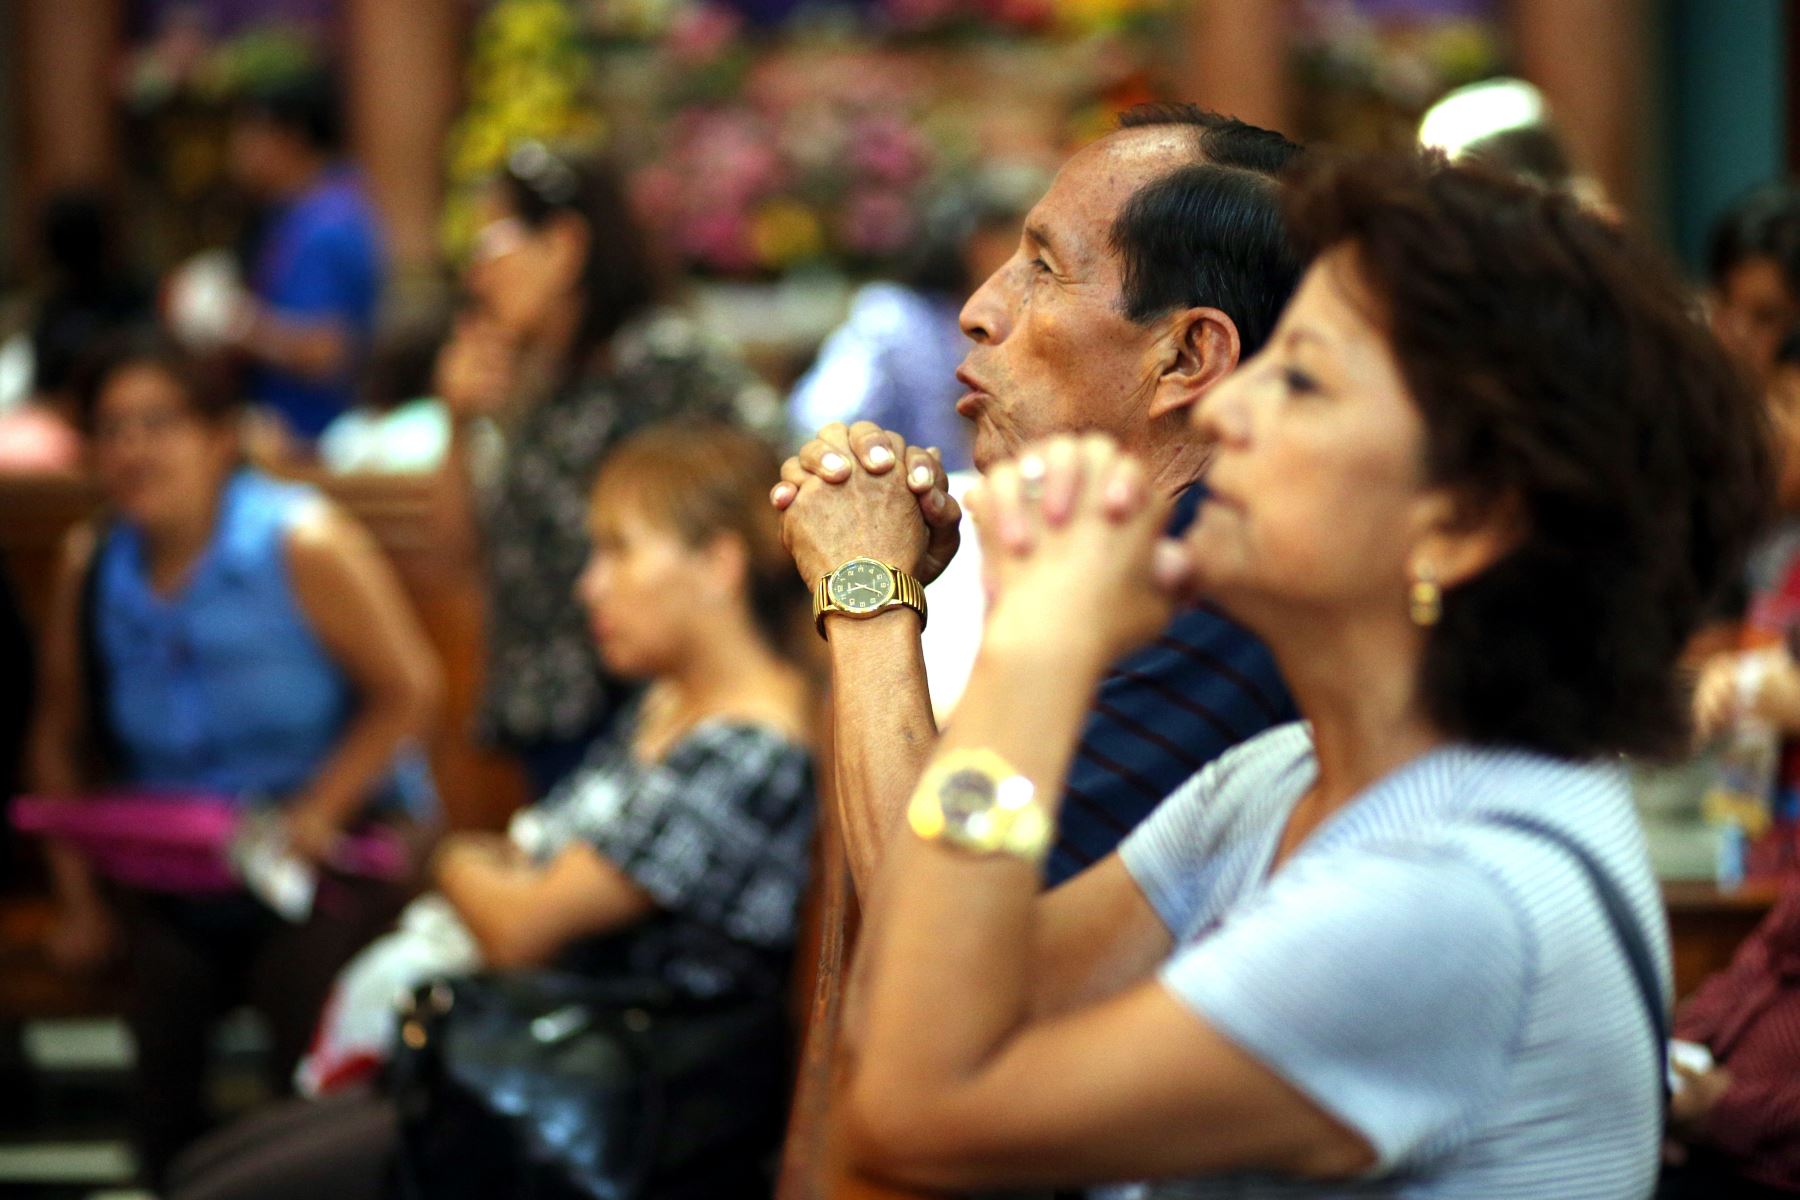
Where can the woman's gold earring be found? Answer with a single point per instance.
(1425, 603)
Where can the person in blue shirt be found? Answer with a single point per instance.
(893, 360)
(317, 263)
(223, 632)
(1154, 264)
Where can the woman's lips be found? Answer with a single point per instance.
(1215, 497)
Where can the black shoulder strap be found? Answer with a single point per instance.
(1625, 927)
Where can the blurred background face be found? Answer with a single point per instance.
(1752, 311)
(156, 459)
(1317, 469)
(260, 155)
(646, 591)
(521, 276)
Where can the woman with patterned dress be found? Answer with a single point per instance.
(564, 345)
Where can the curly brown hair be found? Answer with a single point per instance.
(1564, 378)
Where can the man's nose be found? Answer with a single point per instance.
(986, 317)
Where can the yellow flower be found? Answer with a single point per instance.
(783, 232)
(480, 148)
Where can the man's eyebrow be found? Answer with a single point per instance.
(1040, 235)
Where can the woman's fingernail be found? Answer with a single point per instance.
(833, 463)
(921, 475)
(880, 456)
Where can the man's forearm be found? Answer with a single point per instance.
(883, 732)
(318, 349)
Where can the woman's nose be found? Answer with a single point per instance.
(590, 585)
(1223, 414)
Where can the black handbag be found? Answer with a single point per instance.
(543, 1086)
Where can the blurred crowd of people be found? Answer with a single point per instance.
(1334, 527)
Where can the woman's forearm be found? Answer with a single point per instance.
(365, 753)
(484, 891)
(50, 759)
(948, 948)
(319, 349)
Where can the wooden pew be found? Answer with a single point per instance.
(812, 1159)
(477, 787)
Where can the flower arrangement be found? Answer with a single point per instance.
(528, 80)
(1368, 69)
(744, 191)
(758, 148)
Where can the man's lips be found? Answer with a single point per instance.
(971, 400)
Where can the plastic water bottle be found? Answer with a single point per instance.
(1743, 789)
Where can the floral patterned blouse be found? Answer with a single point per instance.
(544, 678)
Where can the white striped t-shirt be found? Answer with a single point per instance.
(1446, 986)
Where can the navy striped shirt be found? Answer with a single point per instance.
(1163, 713)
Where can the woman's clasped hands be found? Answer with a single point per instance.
(1073, 549)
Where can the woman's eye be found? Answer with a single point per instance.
(1298, 381)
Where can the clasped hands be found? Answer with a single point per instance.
(1071, 532)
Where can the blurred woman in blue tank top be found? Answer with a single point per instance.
(222, 631)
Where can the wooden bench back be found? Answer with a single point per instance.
(812, 1160)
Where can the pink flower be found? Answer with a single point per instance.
(702, 33)
(656, 193)
(718, 238)
(914, 15)
(885, 148)
(876, 222)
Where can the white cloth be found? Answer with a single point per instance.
(958, 608)
(361, 1016)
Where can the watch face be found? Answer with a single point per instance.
(966, 799)
(861, 585)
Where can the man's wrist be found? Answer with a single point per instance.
(899, 620)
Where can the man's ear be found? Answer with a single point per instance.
(1200, 348)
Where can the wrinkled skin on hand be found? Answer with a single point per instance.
(860, 491)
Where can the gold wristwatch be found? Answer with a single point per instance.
(863, 587)
(975, 801)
